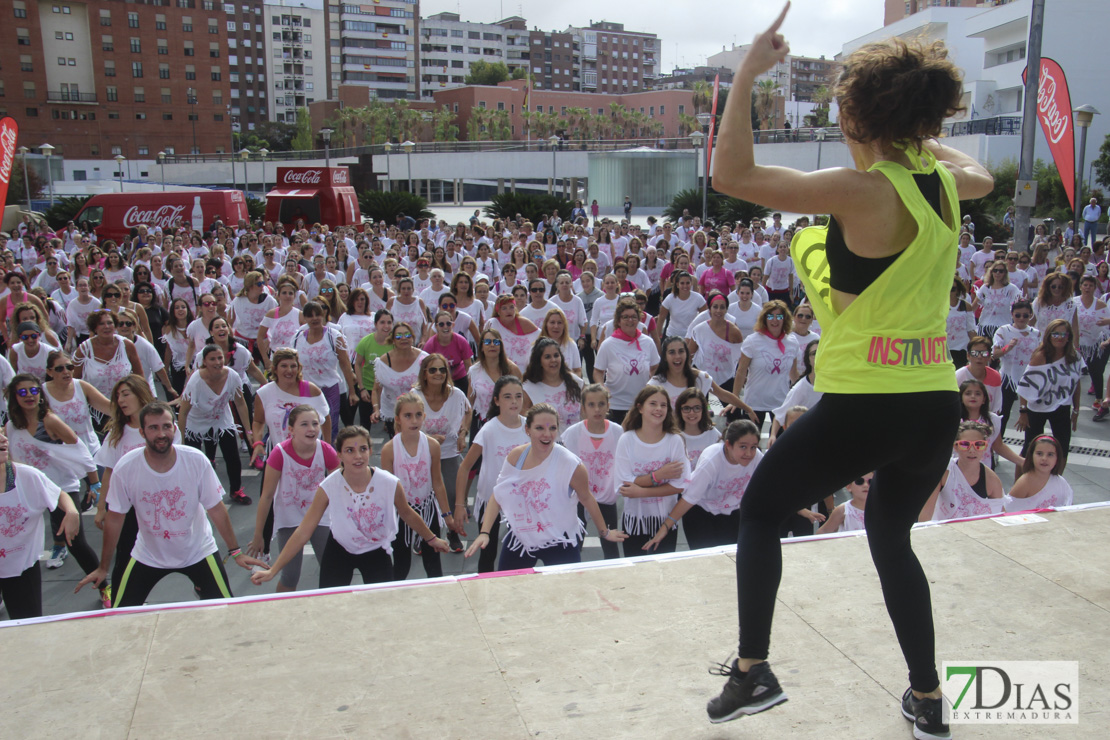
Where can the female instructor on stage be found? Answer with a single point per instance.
(878, 278)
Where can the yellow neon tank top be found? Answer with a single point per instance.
(892, 338)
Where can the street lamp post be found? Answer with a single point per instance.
(704, 119)
(23, 151)
(553, 140)
(245, 155)
(697, 140)
(388, 147)
(326, 133)
(47, 151)
(408, 146)
(162, 163)
(1084, 114)
(120, 159)
(820, 133)
(191, 99)
(263, 153)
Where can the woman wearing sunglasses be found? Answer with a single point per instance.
(152, 360)
(1049, 387)
(73, 399)
(39, 438)
(105, 358)
(968, 487)
(116, 298)
(768, 361)
(17, 295)
(29, 353)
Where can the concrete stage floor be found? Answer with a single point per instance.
(587, 653)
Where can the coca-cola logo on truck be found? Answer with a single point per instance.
(301, 177)
(339, 177)
(163, 216)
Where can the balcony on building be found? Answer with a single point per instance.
(65, 96)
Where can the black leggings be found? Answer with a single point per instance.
(908, 462)
(402, 554)
(228, 442)
(487, 559)
(1096, 366)
(1059, 418)
(207, 575)
(128, 533)
(1009, 395)
(82, 552)
(337, 566)
(710, 530)
(22, 594)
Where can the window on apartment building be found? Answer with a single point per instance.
(109, 68)
(29, 90)
(136, 45)
(140, 116)
(167, 98)
(189, 51)
(190, 72)
(105, 17)
(132, 20)
(20, 9)
(216, 74)
(163, 47)
(111, 93)
(140, 95)
(662, 110)
(167, 116)
(160, 22)
(22, 37)
(213, 26)
(214, 50)
(187, 23)
(163, 71)
(136, 69)
(106, 44)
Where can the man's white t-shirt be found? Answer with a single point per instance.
(171, 507)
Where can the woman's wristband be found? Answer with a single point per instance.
(258, 444)
(483, 533)
(671, 520)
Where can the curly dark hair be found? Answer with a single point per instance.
(898, 92)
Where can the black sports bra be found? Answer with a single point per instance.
(851, 273)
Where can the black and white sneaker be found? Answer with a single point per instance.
(927, 716)
(745, 693)
(455, 542)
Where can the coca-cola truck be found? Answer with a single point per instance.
(113, 215)
(313, 195)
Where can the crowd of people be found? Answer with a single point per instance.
(535, 378)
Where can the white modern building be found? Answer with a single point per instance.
(989, 44)
(297, 49)
(449, 45)
(375, 45)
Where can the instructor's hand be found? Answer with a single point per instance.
(768, 48)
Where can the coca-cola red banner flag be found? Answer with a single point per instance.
(1054, 113)
(9, 132)
(713, 124)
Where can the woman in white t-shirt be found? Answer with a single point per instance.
(676, 374)
(365, 503)
(323, 354)
(537, 494)
(280, 324)
(205, 414)
(768, 362)
(1042, 483)
(691, 408)
(548, 379)
(294, 470)
(594, 441)
(995, 296)
(249, 308)
(711, 502)
(26, 494)
(447, 414)
(626, 360)
(414, 457)
(554, 326)
(680, 307)
(651, 471)
(503, 431)
(715, 344)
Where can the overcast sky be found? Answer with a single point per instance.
(690, 29)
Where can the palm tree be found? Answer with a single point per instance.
(687, 124)
(443, 125)
(703, 96)
(766, 92)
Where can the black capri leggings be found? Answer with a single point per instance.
(908, 461)
(228, 442)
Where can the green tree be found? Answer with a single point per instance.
(766, 93)
(302, 138)
(703, 96)
(17, 191)
(486, 73)
(520, 73)
(1102, 164)
(443, 125)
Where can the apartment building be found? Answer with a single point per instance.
(615, 60)
(810, 74)
(106, 77)
(297, 54)
(449, 45)
(375, 45)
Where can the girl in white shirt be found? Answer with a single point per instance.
(968, 487)
(414, 457)
(537, 493)
(594, 441)
(692, 411)
(1042, 483)
(503, 431)
(651, 470)
(548, 379)
(367, 503)
(680, 307)
(711, 503)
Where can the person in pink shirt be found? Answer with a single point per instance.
(717, 277)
